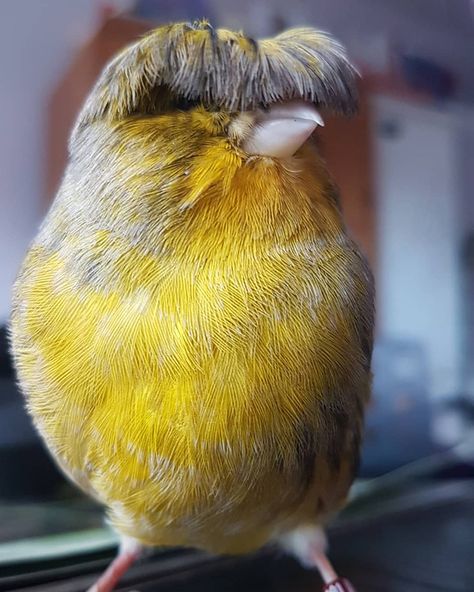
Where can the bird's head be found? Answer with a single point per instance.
(267, 93)
(182, 112)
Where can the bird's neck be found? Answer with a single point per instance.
(240, 212)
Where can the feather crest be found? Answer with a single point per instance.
(184, 62)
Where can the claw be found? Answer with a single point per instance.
(339, 585)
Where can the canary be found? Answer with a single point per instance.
(192, 326)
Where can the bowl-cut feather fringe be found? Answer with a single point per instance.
(222, 69)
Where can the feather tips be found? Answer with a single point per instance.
(222, 69)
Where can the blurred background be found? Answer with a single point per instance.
(405, 167)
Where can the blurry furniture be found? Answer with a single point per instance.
(398, 424)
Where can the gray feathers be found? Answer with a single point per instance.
(224, 70)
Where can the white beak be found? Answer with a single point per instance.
(281, 130)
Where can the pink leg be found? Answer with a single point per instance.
(128, 554)
(332, 582)
(308, 544)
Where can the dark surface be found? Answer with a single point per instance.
(6, 365)
(26, 469)
(420, 542)
(419, 551)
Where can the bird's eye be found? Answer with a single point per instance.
(184, 104)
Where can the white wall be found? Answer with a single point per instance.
(420, 218)
(37, 39)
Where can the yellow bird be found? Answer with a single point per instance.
(192, 326)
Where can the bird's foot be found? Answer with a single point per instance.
(339, 585)
(308, 544)
(129, 552)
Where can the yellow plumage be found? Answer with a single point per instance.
(192, 327)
